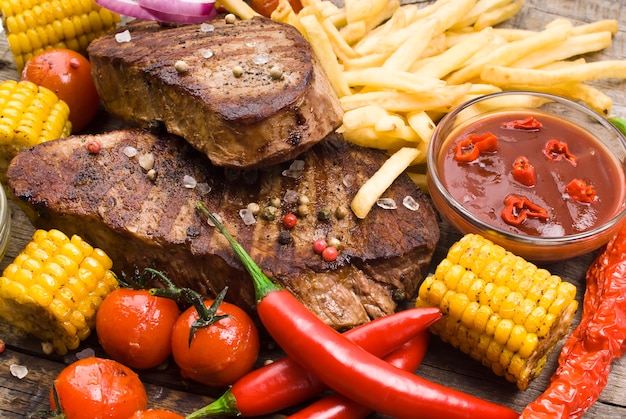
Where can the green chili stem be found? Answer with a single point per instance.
(226, 404)
(619, 122)
(262, 284)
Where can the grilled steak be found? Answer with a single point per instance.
(141, 220)
(258, 118)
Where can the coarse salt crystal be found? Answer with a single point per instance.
(410, 203)
(295, 169)
(262, 58)
(247, 216)
(189, 182)
(18, 371)
(291, 196)
(207, 27)
(122, 37)
(206, 53)
(129, 151)
(146, 161)
(386, 203)
(217, 217)
(203, 188)
(348, 180)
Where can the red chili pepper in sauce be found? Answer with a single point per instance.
(557, 150)
(284, 383)
(335, 406)
(518, 208)
(527, 124)
(581, 191)
(347, 368)
(524, 171)
(471, 147)
(586, 357)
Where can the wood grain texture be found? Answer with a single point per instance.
(442, 364)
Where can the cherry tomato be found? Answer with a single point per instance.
(68, 74)
(219, 354)
(135, 328)
(155, 414)
(98, 388)
(266, 7)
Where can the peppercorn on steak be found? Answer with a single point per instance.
(135, 196)
(249, 93)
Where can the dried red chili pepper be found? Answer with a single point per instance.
(586, 357)
(527, 124)
(335, 406)
(557, 150)
(347, 368)
(471, 147)
(523, 171)
(284, 383)
(518, 208)
(581, 191)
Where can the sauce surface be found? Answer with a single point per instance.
(482, 185)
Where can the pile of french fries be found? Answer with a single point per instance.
(398, 69)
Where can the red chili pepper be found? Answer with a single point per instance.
(518, 208)
(581, 191)
(586, 357)
(523, 171)
(471, 147)
(335, 406)
(347, 368)
(528, 124)
(284, 383)
(557, 150)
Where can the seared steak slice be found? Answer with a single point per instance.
(254, 119)
(110, 200)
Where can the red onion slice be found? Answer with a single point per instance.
(173, 10)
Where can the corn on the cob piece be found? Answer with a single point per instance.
(498, 308)
(29, 115)
(54, 287)
(33, 26)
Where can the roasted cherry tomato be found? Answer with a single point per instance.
(135, 328)
(155, 414)
(98, 388)
(266, 7)
(217, 354)
(68, 74)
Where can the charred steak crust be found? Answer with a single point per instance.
(245, 121)
(108, 199)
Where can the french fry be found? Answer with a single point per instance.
(570, 47)
(454, 57)
(481, 7)
(239, 8)
(500, 15)
(501, 75)
(511, 52)
(376, 185)
(315, 34)
(406, 102)
(422, 124)
(361, 10)
(392, 79)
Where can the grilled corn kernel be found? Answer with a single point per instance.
(498, 308)
(54, 287)
(36, 25)
(29, 115)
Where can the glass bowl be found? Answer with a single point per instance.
(5, 222)
(471, 194)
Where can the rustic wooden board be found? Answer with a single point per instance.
(442, 364)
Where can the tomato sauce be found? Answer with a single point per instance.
(482, 185)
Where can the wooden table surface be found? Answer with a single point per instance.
(444, 365)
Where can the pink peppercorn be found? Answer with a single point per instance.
(319, 245)
(93, 147)
(290, 220)
(329, 254)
